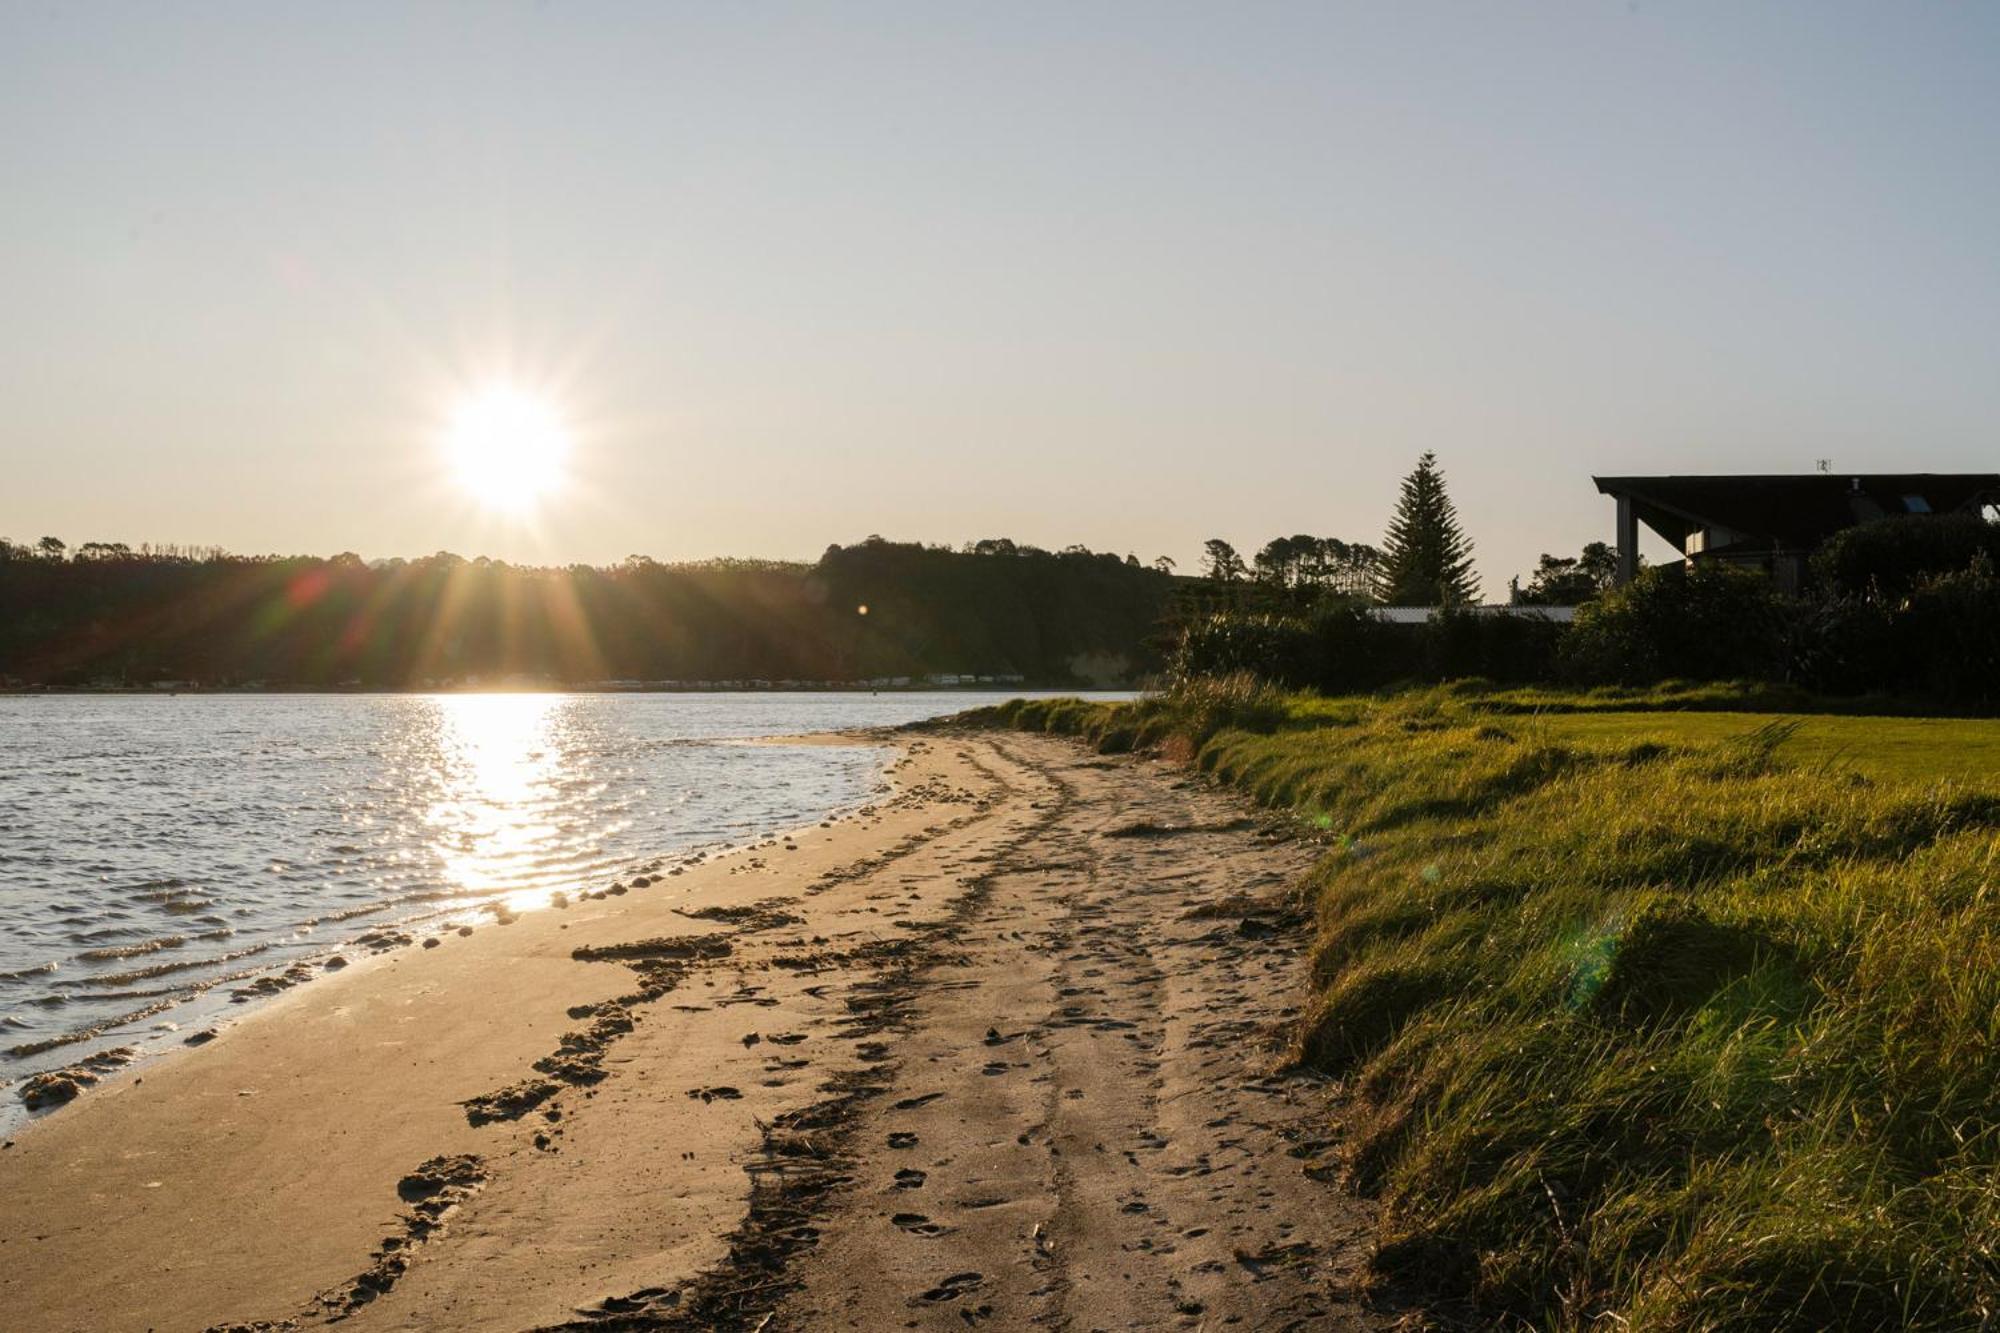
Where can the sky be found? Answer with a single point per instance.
(1125, 275)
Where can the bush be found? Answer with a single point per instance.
(1354, 651)
(1846, 645)
(1273, 648)
(1343, 650)
(1513, 650)
(1894, 617)
(1940, 639)
(1949, 632)
(1889, 558)
(1707, 621)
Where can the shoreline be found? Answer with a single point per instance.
(85, 1055)
(606, 1103)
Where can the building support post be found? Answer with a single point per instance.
(1628, 540)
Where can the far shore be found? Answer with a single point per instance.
(557, 687)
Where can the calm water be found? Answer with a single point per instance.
(157, 853)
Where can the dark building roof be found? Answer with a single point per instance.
(1794, 512)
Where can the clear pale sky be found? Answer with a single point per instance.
(1131, 275)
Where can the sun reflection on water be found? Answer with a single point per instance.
(500, 762)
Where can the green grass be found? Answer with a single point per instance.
(1916, 748)
(1661, 1019)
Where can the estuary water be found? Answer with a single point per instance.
(161, 855)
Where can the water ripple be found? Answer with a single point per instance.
(143, 833)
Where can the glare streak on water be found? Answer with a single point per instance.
(154, 850)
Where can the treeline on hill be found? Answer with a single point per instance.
(107, 615)
(1908, 605)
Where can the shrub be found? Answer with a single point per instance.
(1353, 651)
(1890, 621)
(1515, 650)
(1343, 649)
(1940, 639)
(1275, 648)
(1846, 645)
(1950, 633)
(1889, 558)
(1707, 621)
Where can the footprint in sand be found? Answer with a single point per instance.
(912, 1103)
(902, 1138)
(917, 1224)
(953, 1287)
(722, 1094)
(909, 1178)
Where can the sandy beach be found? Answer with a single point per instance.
(1006, 1049)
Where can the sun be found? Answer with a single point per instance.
(508, 446)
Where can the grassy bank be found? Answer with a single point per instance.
(1650, 1019)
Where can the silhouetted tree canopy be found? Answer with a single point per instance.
(108, 614)
(1220, 562)
(1318, 564)
(1569, 580)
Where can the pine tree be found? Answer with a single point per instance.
(1426, 560)
(1221, 563)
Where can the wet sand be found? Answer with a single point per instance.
(1007, 1051)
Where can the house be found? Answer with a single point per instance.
(1775, 523)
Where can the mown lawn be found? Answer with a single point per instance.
(1651, 1019)
(1914, 748)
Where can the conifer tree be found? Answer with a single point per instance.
(1222, 564)
(1426, 559)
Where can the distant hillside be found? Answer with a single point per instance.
(107, 615)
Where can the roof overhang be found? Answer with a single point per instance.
(1790, 511)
